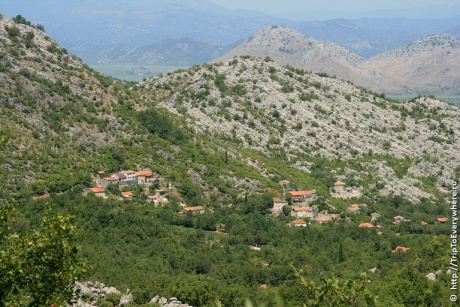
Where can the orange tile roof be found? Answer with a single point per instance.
(298, 209)
(298, 222)
(145, 173)
(153, 196)
(195, 208)
(97, 190)
(263, 286)
(442, 219)
(400, 249)
(126, 194)
(110, 179)
(366, 225)
(301, 193)
(423, 223)
(101, 172)
(278, 200)
(339, 183)
(129, 172)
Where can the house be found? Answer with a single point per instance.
(301, 212)
(322, 220)
(195, 209)
(423, 223)
(127, 195)
(366, 225)
(98, 191)
(300, 196)
(398, 219)
(401, 249)
(338, 190)
(119, 176)
(278, 205)
(263, 286)
(144, 176)
(298, 223)
(254, 248)
(108, 180)
(130, 175)
(375, 216)
(153, 198)
(100, 173)
(441, 220)
(339, 187)
(355, 209)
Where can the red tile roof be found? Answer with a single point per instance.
(298, 222)
(301, 193)
(366, 225)
(195, 208)
(110, 179)
(323, 219)
(126, 194)
(97, 190)
(120, 175)
(145, 173)
(400, 249)
(442, 219)
(339, 183)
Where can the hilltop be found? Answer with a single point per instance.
(428, 64)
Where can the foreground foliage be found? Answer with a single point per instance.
(38, 267)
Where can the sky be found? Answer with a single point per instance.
(333, 8)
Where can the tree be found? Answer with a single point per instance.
(40, 267)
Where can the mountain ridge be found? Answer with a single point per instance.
(377, 73)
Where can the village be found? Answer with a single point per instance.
(299, 203)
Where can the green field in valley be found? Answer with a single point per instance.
(132, 72)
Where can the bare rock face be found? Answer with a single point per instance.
(431, 276)
(126, 299)
(97, 291)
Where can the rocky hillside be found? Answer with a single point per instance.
(428, 65)
(289, 113)
(68, 121)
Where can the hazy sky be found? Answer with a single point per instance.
(332, 8)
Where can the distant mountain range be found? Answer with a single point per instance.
(104, 31)
(428, 65)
